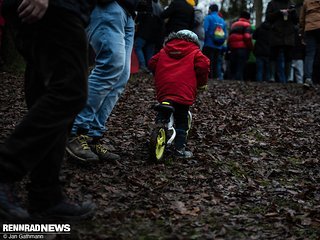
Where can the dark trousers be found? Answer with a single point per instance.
(281, 58)
(180, 122)
(238, 61)
(213, 54)
(55, 50)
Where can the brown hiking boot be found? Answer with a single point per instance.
(79, 149)
(103, 153)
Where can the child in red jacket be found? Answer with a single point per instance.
(179, 69)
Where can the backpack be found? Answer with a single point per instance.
(219, 36)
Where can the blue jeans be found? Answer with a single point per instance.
(144, 51)
(110, 33)
(312, 40)
(263, 68)
(296, 71)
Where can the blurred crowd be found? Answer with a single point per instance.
(283, 48)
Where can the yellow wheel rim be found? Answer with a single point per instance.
(161, 143)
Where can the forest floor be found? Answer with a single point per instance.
(255, 173)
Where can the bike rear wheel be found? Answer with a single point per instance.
(158, 144)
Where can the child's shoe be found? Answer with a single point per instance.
(183, 153)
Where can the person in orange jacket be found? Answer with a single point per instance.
(180, 68)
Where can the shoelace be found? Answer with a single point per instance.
(83, 142)
(100, 148)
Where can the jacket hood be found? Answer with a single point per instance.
(189, 37)
(179, 48)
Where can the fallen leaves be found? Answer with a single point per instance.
(255, 174)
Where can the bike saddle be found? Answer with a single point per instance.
(164, 107)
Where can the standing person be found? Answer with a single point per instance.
(149, 30)
(179, 15)
(179, 69)
(296, 69)
(198, 24)
(55, 91)
(310, 26)
(110, 33)
(262, 51)
(213, 45)
(283, 17)
(240, 45)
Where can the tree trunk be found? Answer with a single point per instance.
(258, 6)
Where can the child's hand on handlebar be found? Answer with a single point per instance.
(203, 88)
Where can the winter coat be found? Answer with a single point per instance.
(180, 16)
(240, 35)
(210, 23)
(282, 30)
(179, 69)
(262, 40)
(309, 15)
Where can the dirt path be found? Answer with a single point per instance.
(255, 174)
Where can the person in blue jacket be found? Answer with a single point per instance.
(213, 44)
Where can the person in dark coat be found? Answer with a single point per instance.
(179, 15)
(149, 31)
(296, 69)
(283, 17)
(54, 44)
(262, 51)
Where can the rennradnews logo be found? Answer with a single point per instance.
(33, 231)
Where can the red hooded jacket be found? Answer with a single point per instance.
(179, 69)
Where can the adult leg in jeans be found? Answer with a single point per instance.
(311, 49)
(110, 33)
(298, 64)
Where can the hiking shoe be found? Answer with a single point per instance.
(65, 211)
(183, 153)
(79, 149)
(103, 153)
(9, 208)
